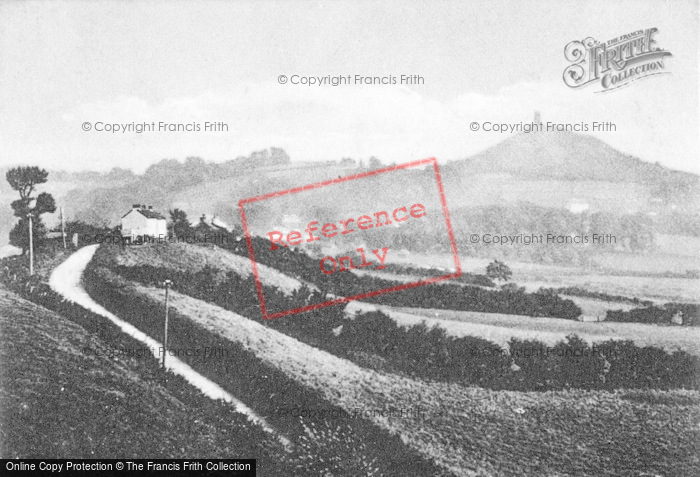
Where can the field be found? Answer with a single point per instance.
(179, 256)
(454, 415)
(643, 277)
(500, 328)
(474, 431)
(594, 310)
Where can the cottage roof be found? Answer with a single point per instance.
(149, 214)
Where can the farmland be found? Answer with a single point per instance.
(654, 278)
(465, 430)
(179, 256)
(500, 328)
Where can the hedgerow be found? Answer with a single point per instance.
(263, 387)
(688, 313)
(582, 292)
(431, 354)
(514, 301)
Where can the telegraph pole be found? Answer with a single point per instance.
(63, 229)
(167, 284)
(31, 246)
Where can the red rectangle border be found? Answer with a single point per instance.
(316, 185)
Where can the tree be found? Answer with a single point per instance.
(19, 235)
(24, 180)
(180, 225)
(374, 163)
(202, 228)
(498, 270)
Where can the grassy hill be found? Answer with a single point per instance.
(62, 395)
(181, 256)
(566, 156)
(551, 169)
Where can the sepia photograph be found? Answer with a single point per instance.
(350, 238)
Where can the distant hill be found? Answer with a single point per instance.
(559, 170)
(563, 170)
(566, 156)
(102, 198)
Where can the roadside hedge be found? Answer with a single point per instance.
(263, 387)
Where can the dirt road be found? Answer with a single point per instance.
(66, 280)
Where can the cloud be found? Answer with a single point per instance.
(392, 122)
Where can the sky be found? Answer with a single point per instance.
(66, 63)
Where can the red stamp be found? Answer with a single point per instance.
(348, 225)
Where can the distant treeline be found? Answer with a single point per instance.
(631, 232)
(159, 183)
(172, 174)
(679, 223)
(169, 172)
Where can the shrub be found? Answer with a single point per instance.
(498, 270)
(582, 292)
(443, 295)
(690, 314)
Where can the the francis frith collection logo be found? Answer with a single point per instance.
(614, 63)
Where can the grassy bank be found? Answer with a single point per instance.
(65, 394)
(357, 443)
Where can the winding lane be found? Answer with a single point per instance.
(66, 280)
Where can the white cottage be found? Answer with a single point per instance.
(144, 221)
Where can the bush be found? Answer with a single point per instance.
(689, 314)
(469, 278)
(510, 300)
(443, 295)
(497, 270)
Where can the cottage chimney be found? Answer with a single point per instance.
(135, 206)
